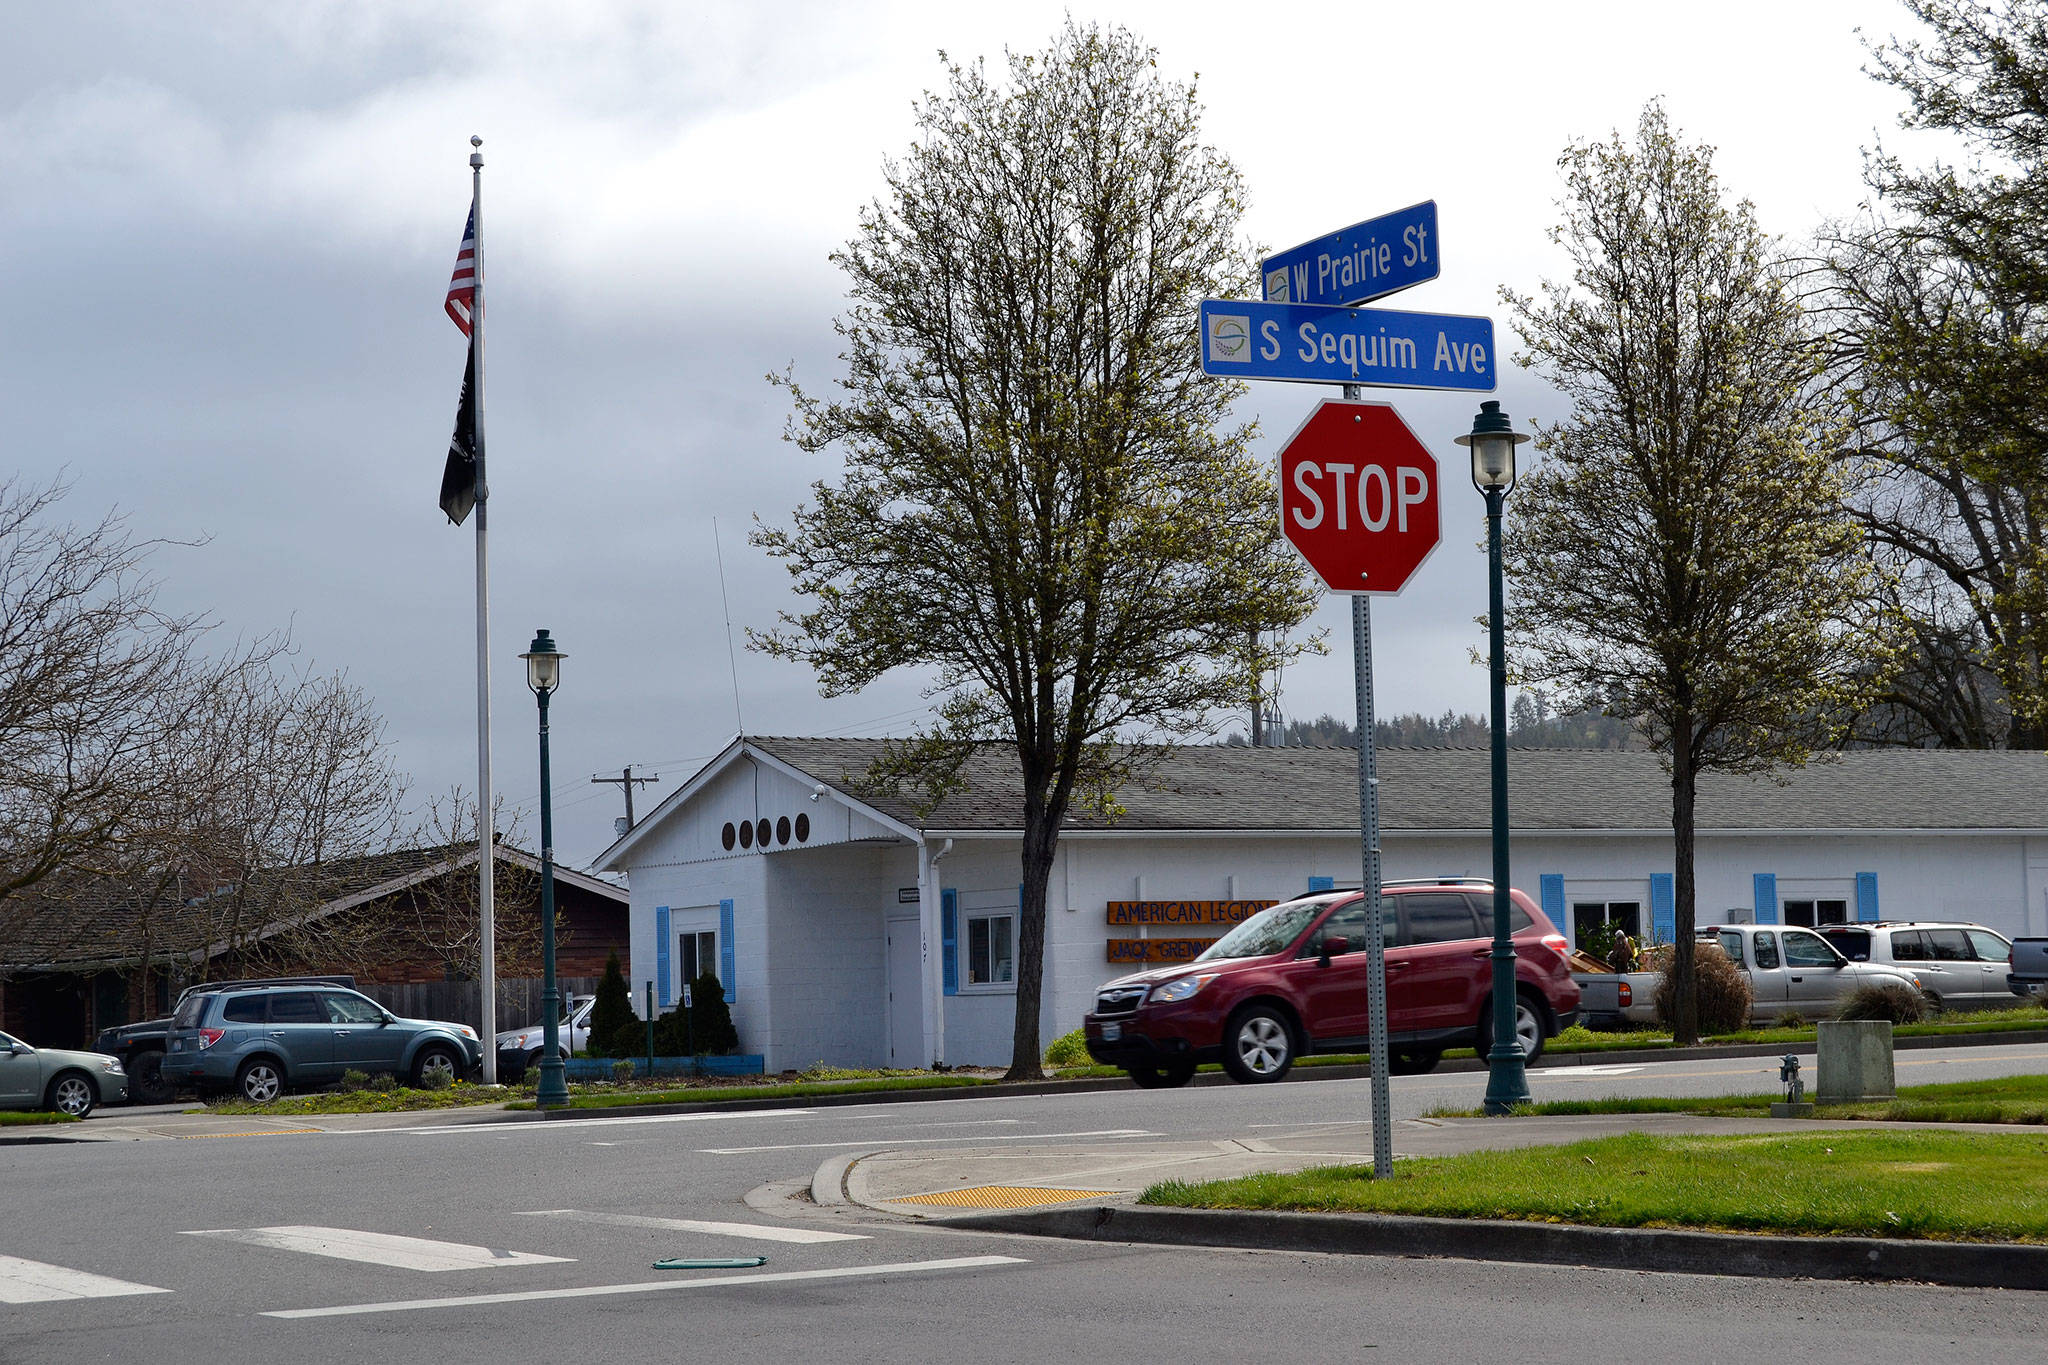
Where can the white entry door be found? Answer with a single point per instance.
(906, 1017)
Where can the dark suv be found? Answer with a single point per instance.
(262, 1040)
(1292, 980)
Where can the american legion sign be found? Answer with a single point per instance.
(1146, 915)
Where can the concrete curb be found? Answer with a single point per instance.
(1997, 1265)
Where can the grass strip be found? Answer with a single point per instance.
(1999, 1099)
(1884, 1183)
(32, 1118)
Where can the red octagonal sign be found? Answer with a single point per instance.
(1358, 496)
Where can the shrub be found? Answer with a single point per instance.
(1899, 1004)
(1598, 941)
(1721, 990)
(531, 1080)
(436, 1080)
(1068, 1050)
(613, 1010)
(353, 1079)
(622, 1071)
(384, 1080)
(1792, 1019)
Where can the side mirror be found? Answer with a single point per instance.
(1335, 946)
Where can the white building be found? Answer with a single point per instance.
(850, 929)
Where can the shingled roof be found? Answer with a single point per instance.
(1233, 788)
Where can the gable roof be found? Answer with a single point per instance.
(102, 926)
(1231, 788)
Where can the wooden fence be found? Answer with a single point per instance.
(457, 1001)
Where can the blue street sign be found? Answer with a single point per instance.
(1312, 344)
(1365, 261)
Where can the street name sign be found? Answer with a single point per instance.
(1318, 344)
(1358, 264)
(1358, 497)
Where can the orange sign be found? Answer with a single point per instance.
(1136, 950)
(1184, 912)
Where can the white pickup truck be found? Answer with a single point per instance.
(1790, 970)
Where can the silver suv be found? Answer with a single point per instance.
(1791, 969)
(263, 1040)
(1960, 966)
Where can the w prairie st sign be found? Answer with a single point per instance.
(1359, 497)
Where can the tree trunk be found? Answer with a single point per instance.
(1684, 988)
(1041, 835)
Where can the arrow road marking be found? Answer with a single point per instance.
(764, 1232)
(377, 1248)
(603, 1290)
(34, 1282)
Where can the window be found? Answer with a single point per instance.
(296, 1007)
(1908, 946)
(240, 1009)
(1437, 918)
(1947, 945)
(351, 1009)
(699, 955)
(1854, 943)
(1809, 950)
(1625, 916)
(989, 943)
(1809, 914)
(1731, 944)
(1766, 950)
(1349, 924)
(1990, 947)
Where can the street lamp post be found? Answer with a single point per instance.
(544, 675)
(1492, 441)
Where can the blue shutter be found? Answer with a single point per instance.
(1551, 885)
(661, 952)
(1766, 897)
(727, 976)
(949, 957)
(1663, 908)
(1316, 884)
(1866, 896)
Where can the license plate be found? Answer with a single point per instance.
(1112, 1032)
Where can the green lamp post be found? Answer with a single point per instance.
(544, 675)
(1492, 441)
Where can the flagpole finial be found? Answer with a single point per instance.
(476, 158)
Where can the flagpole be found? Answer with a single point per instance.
(486, 819)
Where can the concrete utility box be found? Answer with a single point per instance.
(1855, 1061)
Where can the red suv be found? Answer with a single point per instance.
(1292, 979)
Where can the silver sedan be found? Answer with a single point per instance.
(71, 1083)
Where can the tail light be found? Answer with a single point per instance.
(209, 1036)
(1557, 944)
(1627, 994)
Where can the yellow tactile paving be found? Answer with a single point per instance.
(1001, 1197)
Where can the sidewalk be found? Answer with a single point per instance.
(1090, 1192)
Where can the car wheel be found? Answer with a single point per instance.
(1258, 1045)
(1161, 1077)
(439, 1062)
(1528, 1029)
(260, 1080)
(1414, 1061)
(146, 1083)
(72, 1093)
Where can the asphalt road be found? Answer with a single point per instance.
(534, 1241)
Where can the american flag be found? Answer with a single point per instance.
(462, 288)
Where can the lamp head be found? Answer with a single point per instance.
(1492, 440)
(543, 663)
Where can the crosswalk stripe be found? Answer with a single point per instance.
(377, 1248)
(656, 1286)
(761, 1232)
(37, 1282)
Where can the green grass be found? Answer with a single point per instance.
(1953, 1186)
(394, 1101)
(32, 1118)
(2002, 1099)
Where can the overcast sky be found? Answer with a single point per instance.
(229, 230)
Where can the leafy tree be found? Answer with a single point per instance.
(1044, 502)
(612, 1011)
(1939, 303)
(1681, 553)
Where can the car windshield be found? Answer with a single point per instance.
(1269, 931)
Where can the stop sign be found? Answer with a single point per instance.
(1358, 496)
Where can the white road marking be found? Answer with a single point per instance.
(763, 1232)
(377, 1248)
(574, 1125)
(653, 1287)
(1566, 1073)
(35, 1282)
(970, 1137)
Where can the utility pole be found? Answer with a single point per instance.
(1258, 701)
(628, 782)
